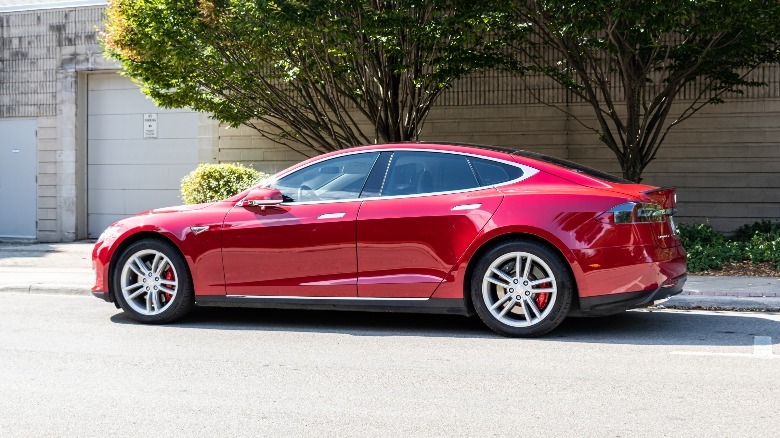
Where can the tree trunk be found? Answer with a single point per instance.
(632, 171)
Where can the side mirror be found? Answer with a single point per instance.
(262, 197)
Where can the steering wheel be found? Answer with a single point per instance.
(305, 193)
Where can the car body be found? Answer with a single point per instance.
(422, 227)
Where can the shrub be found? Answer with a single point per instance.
(214, 182)
(702, 234)
(746, 232)
(709, 249)
(764, 248)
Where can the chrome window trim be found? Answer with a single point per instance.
(528, 172)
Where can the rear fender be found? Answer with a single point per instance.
(456, 284)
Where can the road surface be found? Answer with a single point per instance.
(76, 366)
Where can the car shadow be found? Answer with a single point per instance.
(642, 327)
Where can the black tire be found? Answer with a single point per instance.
(560, 306)
(184, 299)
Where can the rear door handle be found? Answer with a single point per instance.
(466, 207)
(331, 216)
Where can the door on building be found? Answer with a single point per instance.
(18, 175)
(137, 153)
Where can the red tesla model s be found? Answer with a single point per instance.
(520, 239)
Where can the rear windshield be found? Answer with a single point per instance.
(575, 167)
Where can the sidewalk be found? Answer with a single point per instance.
(65, 268)
(728, 293)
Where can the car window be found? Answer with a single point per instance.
(493, 172)
(575, 167)
(412, 173)
(333, 179)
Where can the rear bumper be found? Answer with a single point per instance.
(613, 303)
(617, 270)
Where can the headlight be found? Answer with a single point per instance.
(110, 233)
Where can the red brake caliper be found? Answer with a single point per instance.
(543, 298)
(168, 275)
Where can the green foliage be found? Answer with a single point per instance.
(746, 232)
(709, 249)
(654, 51)
(325, 74)
(214, 182)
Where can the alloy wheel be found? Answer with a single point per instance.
(519, 289)
(149, 282)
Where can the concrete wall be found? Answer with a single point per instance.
(725, 160)
(44, 54)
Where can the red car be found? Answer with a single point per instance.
(520, 239)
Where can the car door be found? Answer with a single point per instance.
(305, 246)
(417, 222)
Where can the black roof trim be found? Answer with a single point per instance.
(570, 165)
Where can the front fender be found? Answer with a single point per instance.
(202, 251)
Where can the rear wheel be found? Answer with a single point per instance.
(152, 283)
(521, 289)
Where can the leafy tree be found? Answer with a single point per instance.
(632, 59)
(315, 75)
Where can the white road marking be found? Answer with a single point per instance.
(762, 349)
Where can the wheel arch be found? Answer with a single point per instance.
(509, 237)
(129, 240)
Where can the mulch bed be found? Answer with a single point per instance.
(744, 269)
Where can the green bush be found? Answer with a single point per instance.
(214, 182)
(764, 248)
(746, 232)
(709, 249)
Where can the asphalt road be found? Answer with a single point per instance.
(75, 366)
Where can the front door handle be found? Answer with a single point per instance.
(331, 216)
(466, 207)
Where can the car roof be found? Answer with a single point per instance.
(501, 152)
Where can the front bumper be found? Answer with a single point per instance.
(614, 303)
(101, 257)
(105, 296)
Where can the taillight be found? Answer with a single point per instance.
(634, 212)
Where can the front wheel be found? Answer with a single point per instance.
(152, 283)
(521, 289)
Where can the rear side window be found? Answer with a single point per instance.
(493, 172)
(412, 173)
(574, 167)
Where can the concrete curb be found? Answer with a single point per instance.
(46, 289)
(681, 302)
(746, 304)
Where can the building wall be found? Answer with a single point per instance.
(43, 55)
(725, 160)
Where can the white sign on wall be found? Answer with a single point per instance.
(150, 125)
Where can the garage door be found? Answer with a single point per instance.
(133, 167)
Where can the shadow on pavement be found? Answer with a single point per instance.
(634, 327)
